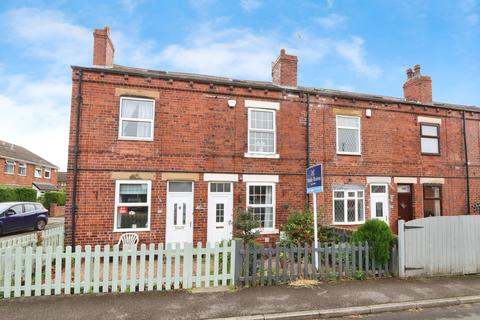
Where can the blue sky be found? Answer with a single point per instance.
(362, 46)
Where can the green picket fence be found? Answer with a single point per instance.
(55, 271)
(51, 237)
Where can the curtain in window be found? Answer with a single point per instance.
(137, 109)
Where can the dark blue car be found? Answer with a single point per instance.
(18, 216)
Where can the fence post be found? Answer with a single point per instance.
(401, 249)
(237, 247)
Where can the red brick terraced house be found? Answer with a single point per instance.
(170, 155)
(20, 167)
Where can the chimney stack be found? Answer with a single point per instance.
(417, 88)
(103, 50)
(284, 69)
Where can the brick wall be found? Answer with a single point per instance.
(195, 131)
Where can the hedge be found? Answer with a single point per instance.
(53, 197)
(17, 194)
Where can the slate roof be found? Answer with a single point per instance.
(45, 186)
(15, 152)
(118, 69)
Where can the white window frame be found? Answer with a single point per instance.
(35, 172)
(9, 163)
(22, 165)
(345, 207)
(49, 173)
(257, 154)
(120, 120)
(274, 202)
(140, 204)
(351, 128)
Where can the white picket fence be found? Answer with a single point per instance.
(55, 271)
(51, 237)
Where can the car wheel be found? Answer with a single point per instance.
(40, 225)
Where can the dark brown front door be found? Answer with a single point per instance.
(405, 205)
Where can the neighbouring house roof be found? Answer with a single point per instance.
(61, 176)
(19, 153)
(270, 86)
(45, 186)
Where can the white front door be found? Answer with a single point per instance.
(179, 227)
(220, 211)
(379, 208)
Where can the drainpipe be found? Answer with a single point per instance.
(308, 138)
(75, 158)
(467, 169)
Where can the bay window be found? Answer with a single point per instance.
(132, 205)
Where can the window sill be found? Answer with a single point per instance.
(348, 223)
(131, 230)
(430, 154)
(10, 173)
(268, 231)
(349, 153)
(262, 155)
(135, 139)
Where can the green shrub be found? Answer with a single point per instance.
(379, 237)
(299, 229)
(53, 197)
(246, 226)
(17, 194)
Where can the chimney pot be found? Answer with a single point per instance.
(103, 50)
(284, 69)
(417, 88)
(409, 73)
(416, 69)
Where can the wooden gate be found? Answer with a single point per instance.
(448, 245)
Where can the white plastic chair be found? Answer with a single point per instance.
(128, 241)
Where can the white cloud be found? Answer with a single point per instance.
(48, 35)
(332, 20)
(249, 5)
(353, 51)
(35, 109)
(330, 3)
(232, 52)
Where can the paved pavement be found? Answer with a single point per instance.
(249, 301)
(460, 312)
(52, 223)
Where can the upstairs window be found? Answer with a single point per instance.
(348, 135)
(38, 172)
(136, 118)
(429, 138)
(47, 173)
(9, 167)
(261, 131)
(22, 169)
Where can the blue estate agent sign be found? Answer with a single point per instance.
(315, 179)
